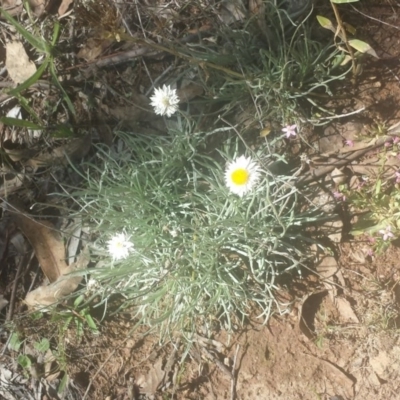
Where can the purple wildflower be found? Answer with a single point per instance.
(339, 196)
(290, 130)
(349, 143)
(386, 233)
(370, 252)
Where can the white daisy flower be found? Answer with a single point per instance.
(241, 175)
(119, 246)
(165, 101)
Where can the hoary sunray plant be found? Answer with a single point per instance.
(202, 235)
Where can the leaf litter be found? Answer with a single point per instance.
(272, 363)
(19, 66)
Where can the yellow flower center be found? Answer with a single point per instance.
(119, 245)
(165, 101)
(240, 176)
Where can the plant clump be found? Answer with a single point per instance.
(206, 234)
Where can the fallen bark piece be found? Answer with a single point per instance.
(67, 283)
(46, 242)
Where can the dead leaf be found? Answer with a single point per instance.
(66, 284)
(3, 302)
(164, 14)
(189, 92)
(11, 183)
(64, 7)
(19, 67)
(93, 48)
(153, 380)
(338, 176)
(46, 242)
(358, 255)
(333, 229)
(139, 110)
(231, 11)
(346, 312)
(38, 6)
(257, 10)
(73, 150)
(328, 269)
(16, 151)
(13, 7)
(50, 373)
(265, 132)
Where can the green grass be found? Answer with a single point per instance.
(201, 253)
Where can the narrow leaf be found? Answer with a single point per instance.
(20, 122)
(63, 383)
(58, 84)
(362, 47)
(378, 187)
(79, 300)
(346, 60)
(56, 33)
(30, 81)
(92, 325)
(350, 28)
(25, 105)
(326, 23)
(39, 44)
(61, 131)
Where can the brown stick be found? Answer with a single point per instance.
(347, 159)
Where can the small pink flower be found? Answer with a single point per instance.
(397, 175)
(290, 130)
(349, 143)
(396, 140)
(339, 196)
(369, 252)
(371, 239)
(387, 144)
(386, 233)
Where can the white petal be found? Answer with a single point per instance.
(253, 175)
